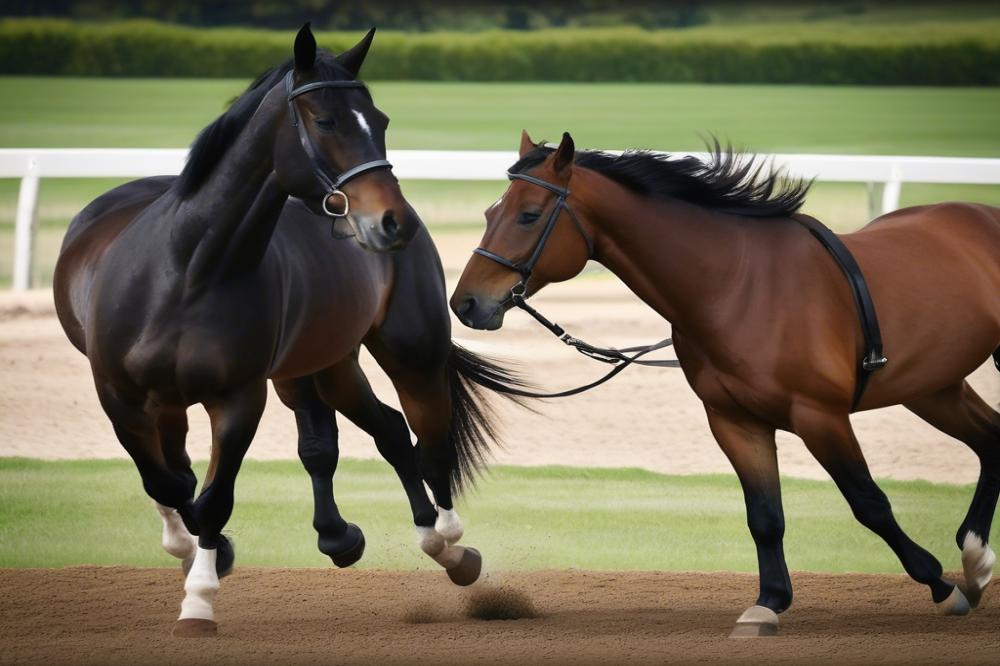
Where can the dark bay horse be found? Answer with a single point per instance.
(199, 288)
(765, 325)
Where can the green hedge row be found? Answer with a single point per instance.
(140, 48)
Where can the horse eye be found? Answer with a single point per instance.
(528, 218)
(326, 124)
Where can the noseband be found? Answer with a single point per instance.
(320, 167)
(526, 268)
(617, 357)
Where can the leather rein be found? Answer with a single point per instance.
(620, 358)
(320, 167)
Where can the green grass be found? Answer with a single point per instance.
(95, 512)
(146, 113)
(68, 112)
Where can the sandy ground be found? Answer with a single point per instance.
(89, 615)
(646, 417)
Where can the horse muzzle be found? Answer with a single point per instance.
(484, 314)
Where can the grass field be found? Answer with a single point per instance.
(69, 112)
(95, 512)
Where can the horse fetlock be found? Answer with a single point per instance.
(177, 541)
(346, 548)
(978, 560)
(200, 587)
(449, 525)
(437, 548)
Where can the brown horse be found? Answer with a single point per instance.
(765, 325)
(198, 289)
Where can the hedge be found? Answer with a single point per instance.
(149, 49)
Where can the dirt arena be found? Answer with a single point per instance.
(89, 615)
(646, 417)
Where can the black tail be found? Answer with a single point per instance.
(473, 421)
(996, 358)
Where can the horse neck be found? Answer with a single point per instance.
(677, 257)
(227, 224)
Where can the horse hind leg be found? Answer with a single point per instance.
(959, 412)
(171, 427)
(831, 440)
(342, 542)
(348, 389)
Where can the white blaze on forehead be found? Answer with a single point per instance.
(362, 122)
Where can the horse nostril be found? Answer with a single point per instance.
(389, 225)
(466, 306)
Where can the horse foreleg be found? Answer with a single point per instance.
(342, 542)
(234, 421)
(750, 447)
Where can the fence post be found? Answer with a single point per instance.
(26, 226)
(890, 195)
(875, 193)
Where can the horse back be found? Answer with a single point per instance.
(88, 236)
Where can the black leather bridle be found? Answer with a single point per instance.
(320, 167)
(620, 358)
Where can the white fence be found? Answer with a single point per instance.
(883, 174)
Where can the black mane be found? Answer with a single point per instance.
(728, 181)
(213, 141)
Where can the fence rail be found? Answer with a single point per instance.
(884, 175)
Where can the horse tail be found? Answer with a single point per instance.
(473, 420)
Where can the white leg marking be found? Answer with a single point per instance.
(977, 560)
(449, 525)
(200, 587)
(955, 604)
(432, 543)
(176, 539)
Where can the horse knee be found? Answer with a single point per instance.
(319, 456)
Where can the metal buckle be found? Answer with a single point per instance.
(871, 363)
(517, 291)
(347, 204)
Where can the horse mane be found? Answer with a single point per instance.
(729, 181)
(213, 141)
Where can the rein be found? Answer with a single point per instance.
(320, 167)
(620, 358)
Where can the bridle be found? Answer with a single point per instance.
(320, 167)
(617, 357)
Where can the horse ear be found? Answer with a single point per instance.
(354, 57)
(527, 145)
(565, 153)
(305, 49)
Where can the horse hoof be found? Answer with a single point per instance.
(346, 556)
(955, 604)
(467, 571)
(194, 627)
(756, 622)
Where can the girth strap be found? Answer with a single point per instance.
(873, 358)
